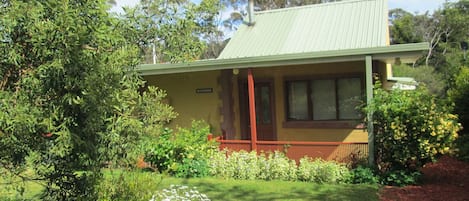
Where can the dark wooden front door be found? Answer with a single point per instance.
(265, 117)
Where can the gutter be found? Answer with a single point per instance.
(379, 53)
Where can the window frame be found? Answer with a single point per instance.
(310, 122)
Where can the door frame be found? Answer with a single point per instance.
(244, 106)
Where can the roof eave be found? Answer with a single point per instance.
(404, 52)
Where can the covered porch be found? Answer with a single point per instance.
(271, 119)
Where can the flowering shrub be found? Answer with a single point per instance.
(238, 165)
(275, 166)
(180, 193)
(411, 128)
(320, 171)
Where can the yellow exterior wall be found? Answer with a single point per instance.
(181, 90)
(278, 74)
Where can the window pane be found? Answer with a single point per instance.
(297, 101)
(349, 93)
(257, 102)
(265, 104)
(324, 99)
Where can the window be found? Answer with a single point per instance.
(324, 99)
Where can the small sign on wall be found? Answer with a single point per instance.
(203, 90)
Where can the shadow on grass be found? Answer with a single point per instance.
(277, 190)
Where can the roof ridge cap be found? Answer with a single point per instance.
(309, 6)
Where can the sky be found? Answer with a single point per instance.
(416, 6)
(413, 6)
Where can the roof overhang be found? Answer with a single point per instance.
(388, 54)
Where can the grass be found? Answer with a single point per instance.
(217, 189)
(220, 189)
(144, 184)
(10, 188)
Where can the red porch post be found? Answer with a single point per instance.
(252, 110)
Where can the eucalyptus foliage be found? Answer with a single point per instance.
(176, 28)
(68, 97)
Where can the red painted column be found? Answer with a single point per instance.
(252, 110)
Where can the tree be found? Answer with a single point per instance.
(424, 75)
(404, 27)
(67, 92)
(240, 8)
(445, 30)
(175, 28)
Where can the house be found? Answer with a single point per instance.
(291, 78)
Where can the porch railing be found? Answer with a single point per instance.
(338, 151)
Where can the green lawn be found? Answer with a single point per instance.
(8, 190)
(219, 189)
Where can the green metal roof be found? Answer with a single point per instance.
(348, 24)
(387, 54)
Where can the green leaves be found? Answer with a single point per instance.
(61, 66)
(275, 166)
(174, 27)
(182, 154)
(411, 128)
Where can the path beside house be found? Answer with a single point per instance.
(447, 179)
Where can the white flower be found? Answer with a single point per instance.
(180, 193)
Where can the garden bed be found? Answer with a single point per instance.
(447, 179)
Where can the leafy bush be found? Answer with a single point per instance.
(250, 165)
(183, 154)
(462, 145)
(275, 166)
(363, 175)
(321, 171)
(238, 165)
(401, 177)
(142, 119)
(459, 94)
(410, 129)
(128, 185)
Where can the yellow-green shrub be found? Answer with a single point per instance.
(411, 128)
